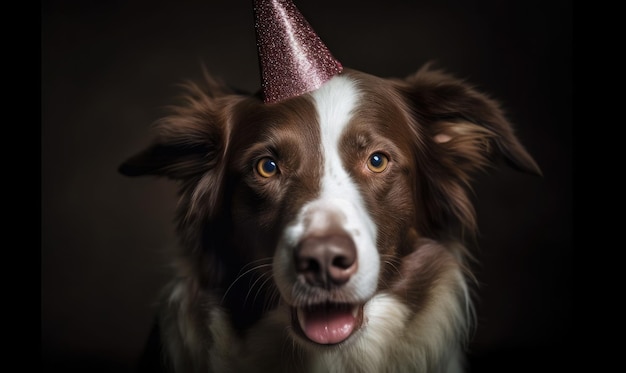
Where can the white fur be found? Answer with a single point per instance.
(340, 196)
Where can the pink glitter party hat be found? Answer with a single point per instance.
(293, 59)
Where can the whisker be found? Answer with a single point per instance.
(252, 287)
(273, 297)
(253, 264)
(392, 265)
(269, 277)
(239, 277)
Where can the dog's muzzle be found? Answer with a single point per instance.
(326, 268)
(327, 262)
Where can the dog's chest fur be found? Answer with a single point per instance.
(390, 329)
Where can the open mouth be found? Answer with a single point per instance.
(328, 323)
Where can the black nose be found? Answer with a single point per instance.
(327, 260)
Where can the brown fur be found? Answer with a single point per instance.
(438, 131)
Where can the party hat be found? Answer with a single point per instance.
(292, 57)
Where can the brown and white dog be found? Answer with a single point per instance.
(324, 233)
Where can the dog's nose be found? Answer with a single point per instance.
(327, 260)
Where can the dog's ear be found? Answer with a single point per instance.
(190, 141)
(469, 126)
(189, 145)
(461, 130)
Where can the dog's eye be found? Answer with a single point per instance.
(377, 162)
(267, 167)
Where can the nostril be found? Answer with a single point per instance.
(342, 262)
(342, 267)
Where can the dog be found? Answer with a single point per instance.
(327, 232)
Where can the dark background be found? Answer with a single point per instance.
(109, 69)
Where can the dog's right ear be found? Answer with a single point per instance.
(190, 144)
(191, 140)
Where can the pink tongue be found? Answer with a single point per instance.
(327, 325)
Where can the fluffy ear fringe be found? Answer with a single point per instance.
(454, 113)
(468, 131)
(190, 140)
(189, 146)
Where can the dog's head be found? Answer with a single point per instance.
(316, 200)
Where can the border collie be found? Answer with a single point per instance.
(325, 233)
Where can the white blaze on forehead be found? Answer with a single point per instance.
(335, 102)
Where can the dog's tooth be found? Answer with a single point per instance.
(355, 311)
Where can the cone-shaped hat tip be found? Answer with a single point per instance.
(293, 59)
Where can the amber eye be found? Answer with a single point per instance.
(267, 167)
(377, 162)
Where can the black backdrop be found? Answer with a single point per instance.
(109, 68)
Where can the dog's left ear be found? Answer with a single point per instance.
(470, 127)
